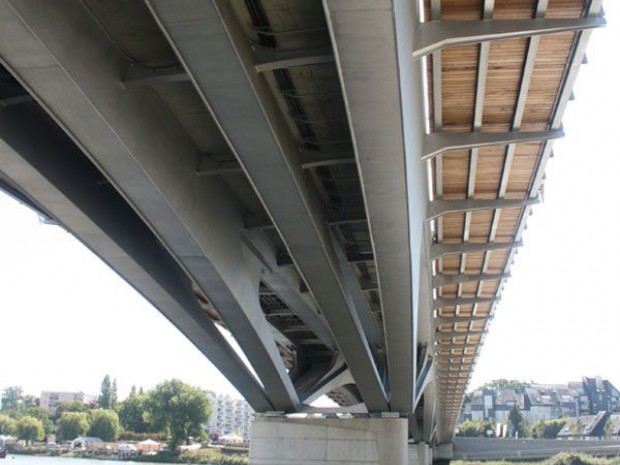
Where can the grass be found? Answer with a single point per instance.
(563, 458)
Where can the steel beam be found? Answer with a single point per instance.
(384, 99)
(140, 76)
(285, 283)
(435, 35)
(442, 302)
(266, 59)
(439, 142)
(199, 222)
(43, 161)
(442, 320)
(438, 208)
(439, 250)
(219, 169)
(255, 128)
(447, 280)
(453, 334)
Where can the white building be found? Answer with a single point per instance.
(230, 416)
(50, 399)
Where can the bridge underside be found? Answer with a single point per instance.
(340, 185)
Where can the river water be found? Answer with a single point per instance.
(34, 460)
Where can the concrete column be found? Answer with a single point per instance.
(419, 454)
(328, 441)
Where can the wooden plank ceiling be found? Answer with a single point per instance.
(507, 85)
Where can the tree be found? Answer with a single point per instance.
(499, 384)
(179, 409)
(132, 413)
(114, 395)
(7, 425)
(515, 418)
(71, 425)
(105, 396)
(547, 429)
(104, 424)
(475, 429)
(71, 406)
(43, 416)
(30, 429)
(12, 398)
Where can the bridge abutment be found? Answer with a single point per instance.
(330, 441)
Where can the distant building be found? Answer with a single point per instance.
(586, 427)
(544, 401)
(494, 405)
(549, 401)
(50, 399)
(230, 416)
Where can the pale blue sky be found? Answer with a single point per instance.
(66, 320)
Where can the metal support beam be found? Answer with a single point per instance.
(439, 142)
(221, 168)
(437, 208)
(246, 112)
(140, 76)
(452, 334)
(43, 161)
(435, 35)
(439, 250)
(266, 59)
(313, 159)
(447, 280)
(442, 302)
(151, 161)
(443, 320)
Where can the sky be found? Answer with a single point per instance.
(67, 320)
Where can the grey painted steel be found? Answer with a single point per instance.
(266, 59)
(284, 282)
(444, 302)
(439, 250)
(447, 280)
(220, 168)
(138, 76)
(244, 108)
(441, 320)
(449, 335)
(199, 222)
(384, 101)
(439, 142)
(435, 35)
(37, 156)
(442, 207)
(373, 333)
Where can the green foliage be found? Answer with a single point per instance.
(517, 386)
(137, 437)
(475, 429)
(178, 409)
(71, 425)
(132, 413)
(42, 415)
(212, 456)
(114, 395)
(104, 424)
(30, 429)
(71, 406)
(7, 425)
(515, 418)
(547, 429)
(105, 396)
(12, 399)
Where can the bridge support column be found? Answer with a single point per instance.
(333, 441)
(419, 454)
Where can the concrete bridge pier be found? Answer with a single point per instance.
(330, 441)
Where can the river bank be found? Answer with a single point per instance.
(201, 456)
